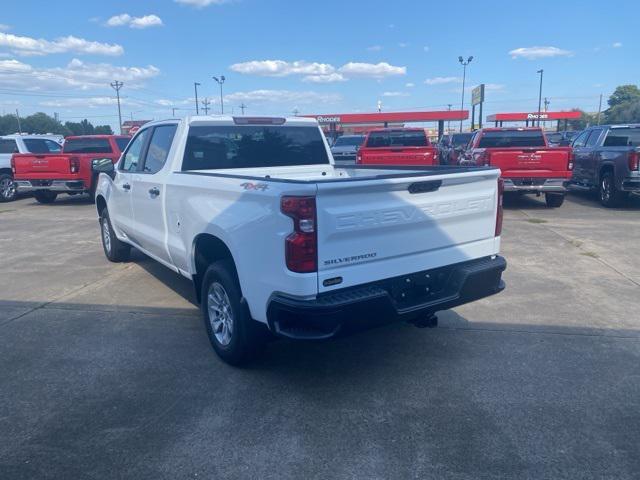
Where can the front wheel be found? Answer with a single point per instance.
(7, 188)
(233, 334)
(45, 196)
(114, 249)
(609, 195)
(554, 200)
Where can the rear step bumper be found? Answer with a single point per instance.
(52, 185)
(407, 297)
(533, 185)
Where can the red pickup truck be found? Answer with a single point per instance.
(528, 164)
(73, 171)
(397, 146)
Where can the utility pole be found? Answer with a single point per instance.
(18, 117)
(117, 86)
(242, 107)
(205, 105)
(546, 104)
(541, 72)
(173, 112)
(220, 82)
(295, 112)
(195, 87)
(464, 78)
(599, 109)
(379, 106)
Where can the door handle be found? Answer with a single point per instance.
(126, 186)
(154, 191)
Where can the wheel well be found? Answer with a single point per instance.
(101, 204)
(604, 169)
(206, 250)
(6, 170)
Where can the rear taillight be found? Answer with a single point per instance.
(74, 164)
(499, 212)
(633, 160)
(571, 161)
(301, 246)
(13, 165)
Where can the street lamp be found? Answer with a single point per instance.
(464, 77)
(541, 71)
(220, 82)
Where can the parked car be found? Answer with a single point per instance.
(606, 159)
(12, 144)
(452, 146)
(397, 146)
(527, 163)
(561, 139)
(345, 148)
(74, 170)
(277, 239)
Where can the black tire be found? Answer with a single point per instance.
(246, 337)
(93, 188)
(7, 188)
(609, 196)
(115, 250)
(554, 200)
(45, 196)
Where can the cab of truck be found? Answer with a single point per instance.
(397, 146)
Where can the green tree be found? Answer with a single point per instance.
(624, 94)
(585, 120)
(8, 124)
(628, 112)
(80, 128)
(103, 130)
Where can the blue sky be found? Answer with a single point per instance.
(316, 57)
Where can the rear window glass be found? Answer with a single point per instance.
(347, 141)
(460, 139)
(221, 147)
(400, 138)
(512, 138)
(41, 145)
(87, 145)
(8, 146)
(623, 137)
(122, 142)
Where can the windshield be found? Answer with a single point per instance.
(349, 141)
(398, 138)
(623, 137)
(87, 145)
(512, 138)
(461, 139)
(218, 147)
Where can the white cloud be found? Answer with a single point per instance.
(442, 80)
(532, 53)
(76, 74)
(373, 70)
(329, 78)
(395, 94)
(282, 96)
(125, 19)
(403, 45)
(4, 27)
(200, 3)
(317, 72)
(617, 45)
(70, 44)
(410, 85)
(374, 48)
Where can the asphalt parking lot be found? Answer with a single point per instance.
(107, 371)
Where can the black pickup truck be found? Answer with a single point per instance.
(606, 159)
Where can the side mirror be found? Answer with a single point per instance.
(103, 165)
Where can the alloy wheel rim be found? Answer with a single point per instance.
(605, 189)
(106, 235)
(7, 188)
(220, 314)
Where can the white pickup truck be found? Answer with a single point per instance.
(277, 239)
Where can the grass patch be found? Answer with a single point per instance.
(536, 220)
(590, 254)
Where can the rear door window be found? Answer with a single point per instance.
(87, 145)
(8, 145)
(512, 138)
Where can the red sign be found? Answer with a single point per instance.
(521, 117)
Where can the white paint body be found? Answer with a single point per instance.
(388, 230)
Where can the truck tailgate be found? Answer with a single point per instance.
(529, 160)
(376, 229)
(398, 156)
(29, 164)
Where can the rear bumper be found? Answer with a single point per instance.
(406, 297)
(536, 185)
(631, 185)
(51, 185)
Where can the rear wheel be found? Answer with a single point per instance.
(7, 188)
(609, 195)
(233, 334)
(114, 249)
(45, 196)
(554, 200)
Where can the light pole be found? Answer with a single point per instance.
(220, 82)
(541, 72)
(195, 87)
(464, 78)
(117, 86)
